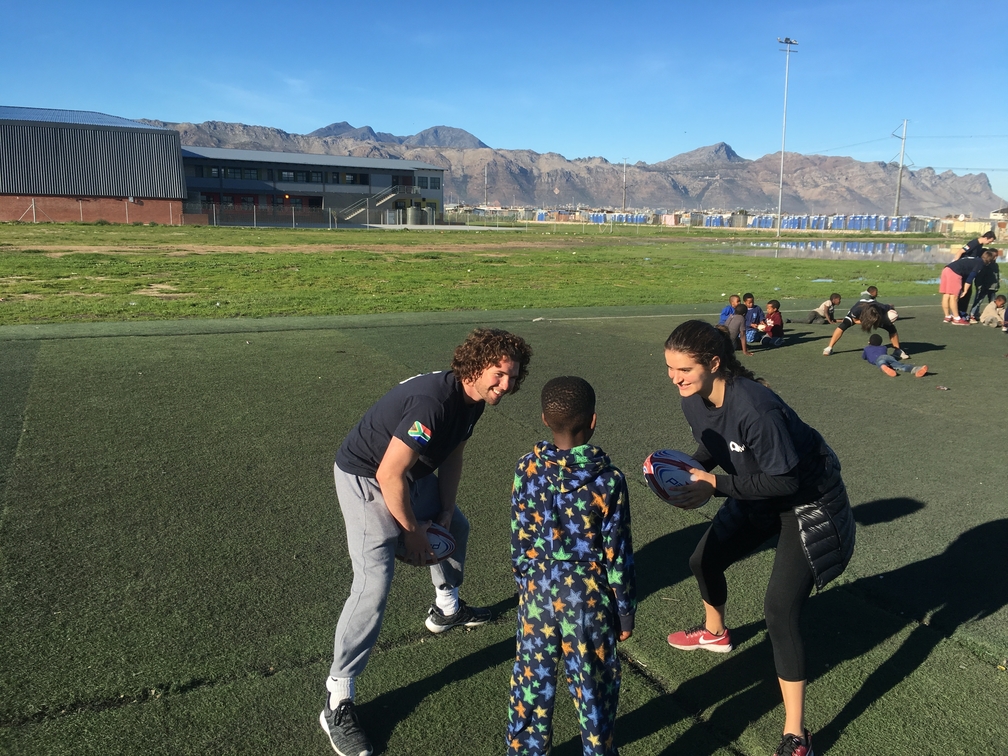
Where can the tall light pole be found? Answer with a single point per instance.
(787, 64)
(624, 185)
(899, 177)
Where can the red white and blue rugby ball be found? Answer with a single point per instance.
(667, 469)
(442, 543)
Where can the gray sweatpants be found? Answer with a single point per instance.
(372, 533)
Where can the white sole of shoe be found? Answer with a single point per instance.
(325, 729)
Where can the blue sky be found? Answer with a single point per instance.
(642, 81)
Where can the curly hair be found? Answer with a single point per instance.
(872, 317)
(703, 342)
(568, 403)
(486, 347)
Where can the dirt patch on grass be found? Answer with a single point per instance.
(482, 248)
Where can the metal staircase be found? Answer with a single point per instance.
(374, 201)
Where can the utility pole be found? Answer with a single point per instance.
(624, 185)
(899, 178)
(485, 184)
(787, 64)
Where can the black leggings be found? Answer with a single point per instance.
(790, 583)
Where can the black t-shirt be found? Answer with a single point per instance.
(428, 413)
(972, 248)
(754, 433)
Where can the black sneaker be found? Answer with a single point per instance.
(792, 745)
(345, 733)
(469, 616)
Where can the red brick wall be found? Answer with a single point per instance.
(69, 209)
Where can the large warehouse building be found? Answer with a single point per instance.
(71, 165)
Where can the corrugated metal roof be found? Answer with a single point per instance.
(300, 158)
(70, 117)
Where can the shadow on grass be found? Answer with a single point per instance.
(922, 347)
(384, 713)
(885, 510)
(665, 561)
(743, 687)
(962, 584)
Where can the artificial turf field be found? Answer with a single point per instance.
(173, 564)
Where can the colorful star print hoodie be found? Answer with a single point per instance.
(573, 506)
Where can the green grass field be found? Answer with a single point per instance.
(172, 555)
(112, 273)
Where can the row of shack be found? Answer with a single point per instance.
(742, 219)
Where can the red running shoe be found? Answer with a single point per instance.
(698, 637)
(792, 745)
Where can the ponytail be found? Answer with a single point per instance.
(703, 342)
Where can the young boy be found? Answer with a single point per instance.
(994, 313)
(572, 557)
(879, 355)
(754, 316)
(824, 313)
(735, 325)
(733, 301)
(772, 327)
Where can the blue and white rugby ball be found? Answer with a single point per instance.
(442, 543)
(667, 469)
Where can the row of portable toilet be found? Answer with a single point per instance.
(619, 218)
(859, 222)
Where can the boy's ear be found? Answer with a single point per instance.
(544, 419)
(594, 419)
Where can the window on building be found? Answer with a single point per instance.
(349, 178)
(421, 182)
(364, 178)
(247, 202)
(278, 199)
(286, 175)
(316, 177)
(269, 174)
(335, 177)
(251, 174)
(432, 206)
(315, 202)
(233, 173)
(435, 182)
(215, 172)
(300, 176)
(227, 200)
(295, 202)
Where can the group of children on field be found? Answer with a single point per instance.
(748, 324)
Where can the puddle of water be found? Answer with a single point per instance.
(843, 250)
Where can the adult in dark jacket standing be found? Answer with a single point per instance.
(781, 478)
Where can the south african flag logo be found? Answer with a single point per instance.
(420, 433)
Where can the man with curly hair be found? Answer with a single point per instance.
(388, 493)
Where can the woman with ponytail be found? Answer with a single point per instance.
(780, 479)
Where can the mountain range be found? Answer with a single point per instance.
(708, 178)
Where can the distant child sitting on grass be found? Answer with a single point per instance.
(754, 316)
(994, 313)
(879, 355)
(572, 557)
(733, 301)
(772, 327)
